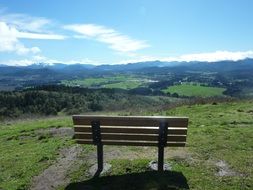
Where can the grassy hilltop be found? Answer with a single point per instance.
(218, 154)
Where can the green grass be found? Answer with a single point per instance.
(195, 90)
(119, 81)
(24, 155)
(86, 82)
(219, 132)
(124, 85)
(216, 132)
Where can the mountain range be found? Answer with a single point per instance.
(196, 65)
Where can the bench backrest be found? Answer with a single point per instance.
(131, 130)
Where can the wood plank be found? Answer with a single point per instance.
(126, 129)
(130, 120)
(136, 137)
(132, 143)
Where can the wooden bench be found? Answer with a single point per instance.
(130, 130)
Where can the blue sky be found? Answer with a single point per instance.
(113, 31)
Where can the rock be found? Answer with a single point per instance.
(153, 165)
(224, 170)
(106, 168)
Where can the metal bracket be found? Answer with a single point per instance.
(96, 132)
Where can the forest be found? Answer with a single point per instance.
(63, 100)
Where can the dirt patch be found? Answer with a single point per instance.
(70, 159)
(56, 174)
(224, 169)
(46, 133)
(56, 132)
(131, 153)
(181, 153)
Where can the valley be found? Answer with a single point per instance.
(231, 78)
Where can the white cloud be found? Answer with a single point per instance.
(29, 35)
(115, 40)
(14, 27)
(21, 62)
(48, 61)
(216, 56)
(83, 61)
(30, 27)
(26, 22)
(207, 57)
(9, 39)
(38, 58)
(10, 43)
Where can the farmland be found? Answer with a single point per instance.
(195, 90)
(118, 81)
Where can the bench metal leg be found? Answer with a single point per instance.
(96, 134)
(160, 158)
(163, 131)
(99, 159)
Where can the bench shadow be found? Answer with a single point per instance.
(167, 180)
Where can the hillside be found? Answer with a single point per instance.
(41, 153)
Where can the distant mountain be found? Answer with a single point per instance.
(158, 65)
(74, 67)
(139, 65)
(59, 66)
(38, 65)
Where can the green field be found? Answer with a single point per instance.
(220, 139)
(124, 85)
(195, 90)
(119, 81)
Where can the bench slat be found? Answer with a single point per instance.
(130, 120)
(132, 143)
(126, 129)
(139, 137)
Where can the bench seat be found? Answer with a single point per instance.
(157, 131)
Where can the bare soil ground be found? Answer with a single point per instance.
(56, 132)
(56, 175)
